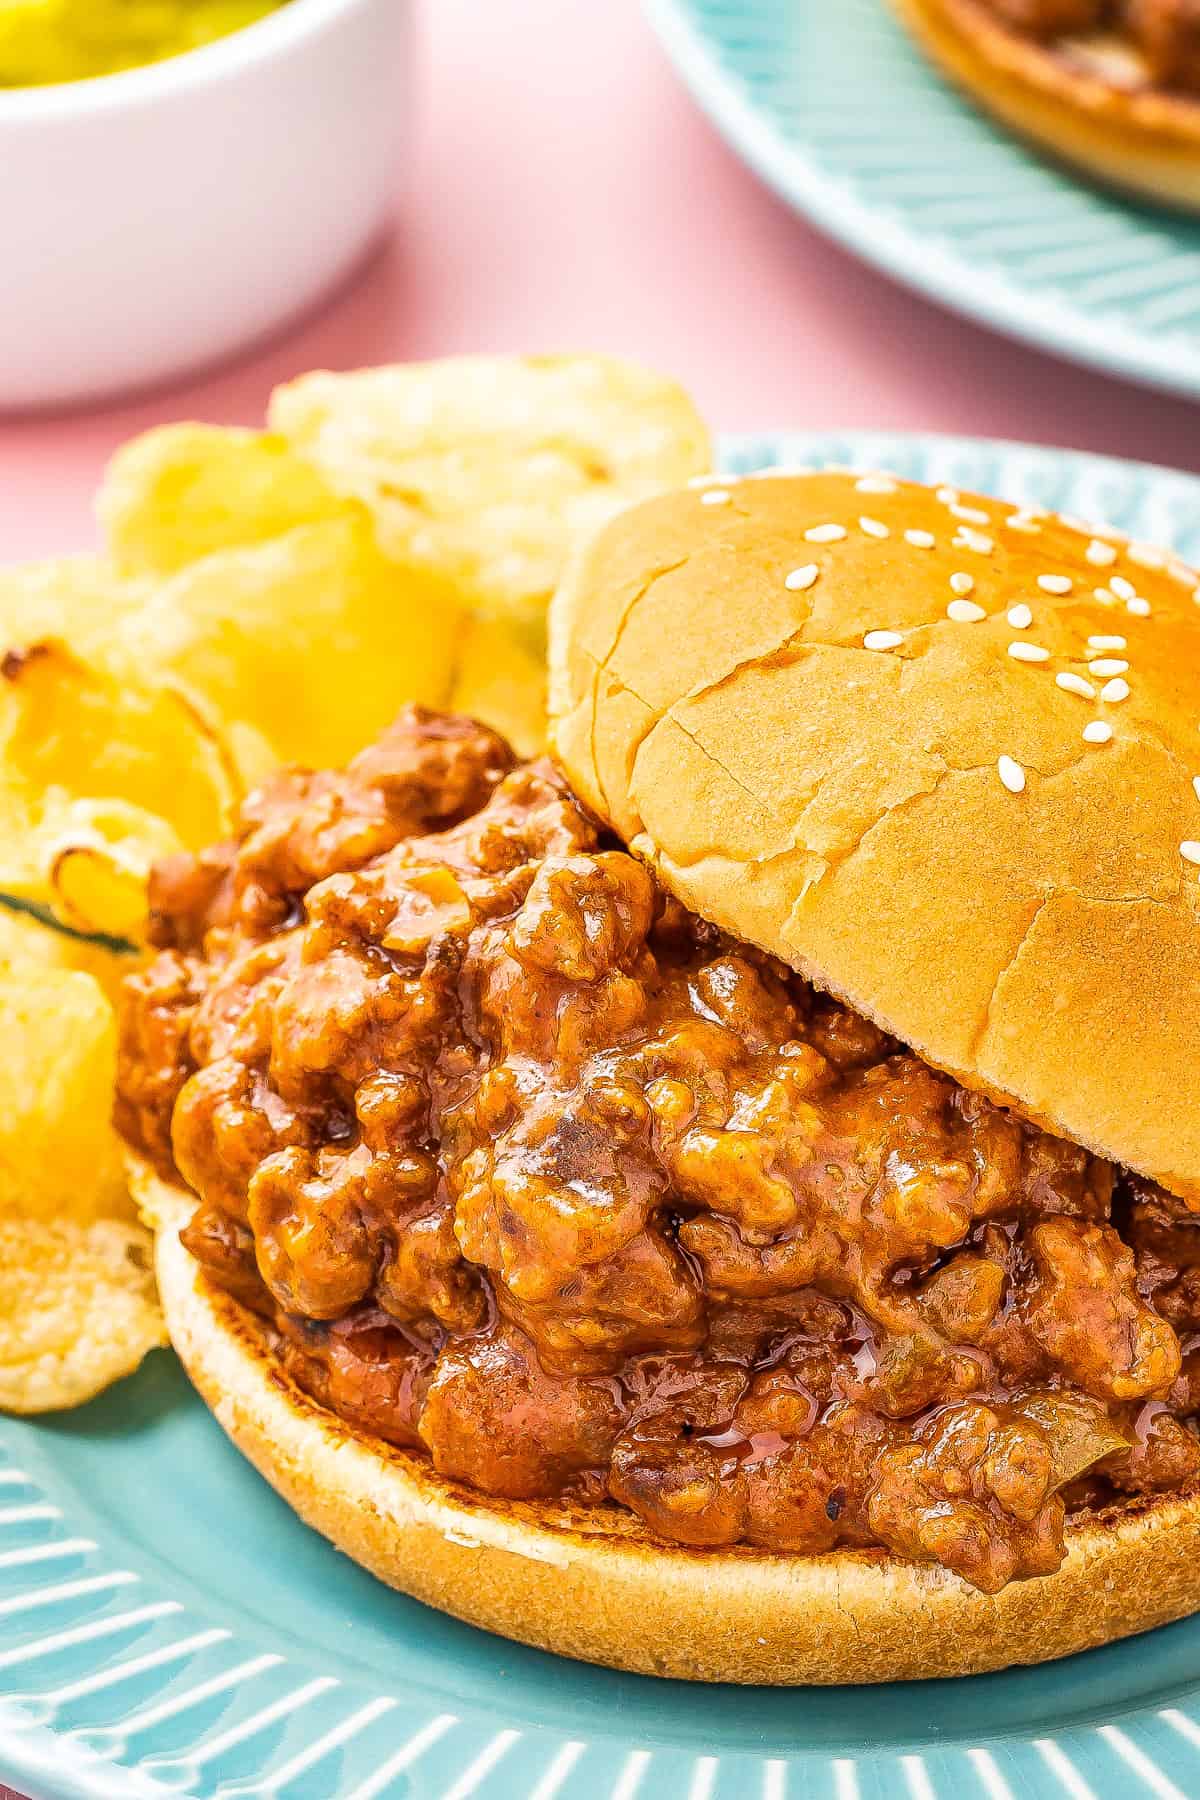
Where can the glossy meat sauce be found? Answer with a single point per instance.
(526, 1165)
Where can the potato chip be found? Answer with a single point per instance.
(180, 492)
(77, 1309)
(100, 871)
(311, 642)
(94, 761)
(28, 942)
(503, 683)
(77, 599)
(490, 468)
(87, 860)
(77, 1302)
(59, 1155)
(92, 731)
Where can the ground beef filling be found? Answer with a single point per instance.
(522, 1163)
(1166, 32)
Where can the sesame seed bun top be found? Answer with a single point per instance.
(940, 754)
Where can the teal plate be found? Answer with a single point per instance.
(168, 1627)
(838, 112)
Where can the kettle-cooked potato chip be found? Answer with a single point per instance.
(312, 640)
(28, 943)
(500, 680)
(490, 468)
(94, 762)
(86, 860)
(180, 492)
(59, 1155)
(77, 1302)
(78, 599)
(91, 730)
(77, 1309)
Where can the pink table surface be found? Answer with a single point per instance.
(562, 193)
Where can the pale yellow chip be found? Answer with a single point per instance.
(80, 600)
(27, 943)
(77, 1301)
(180, 492)
(60, 1157)
(93, 730)
(502, 682)
(492, 468)
(86, 860)
(77, 1308)
(311, 642)
(99, 866)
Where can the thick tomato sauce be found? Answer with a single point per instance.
(526, 1165)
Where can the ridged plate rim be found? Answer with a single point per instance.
(708, 66)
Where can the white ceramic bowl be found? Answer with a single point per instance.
(158, 219)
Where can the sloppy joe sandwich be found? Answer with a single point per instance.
(725, 1202)
(1112, 86)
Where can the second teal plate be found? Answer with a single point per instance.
(838, 112)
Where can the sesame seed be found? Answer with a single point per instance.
(1100, 553)
(1106, 643)
(876, 484)
(1105, 596)
(1073, 522)
(1112, 691)
(965, 612)
(701, 481)
(1147, 556)
(1020, 617)
(874, 528)
(1011, 774)
(1190, 850)
(970, 515)
(1023, 521)
(1138, 606)
(1196, 785)
(1030, 653)
(826, 534)
(1075, 684)
(1196, 596)
(920, 540)
(962, 583)
(1098, 732)
(1055, 584)
(714, 497)
(974, 540)
(1124, 590)
(1108, 665)
(801, 579)
(882, 640)
(948, 496)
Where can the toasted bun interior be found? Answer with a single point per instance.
(764, 686)
(592, 1584)
(1087, 100)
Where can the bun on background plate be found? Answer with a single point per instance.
(1092, 95)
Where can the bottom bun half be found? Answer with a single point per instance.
(590, 1583)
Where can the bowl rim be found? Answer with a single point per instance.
(248, 46)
